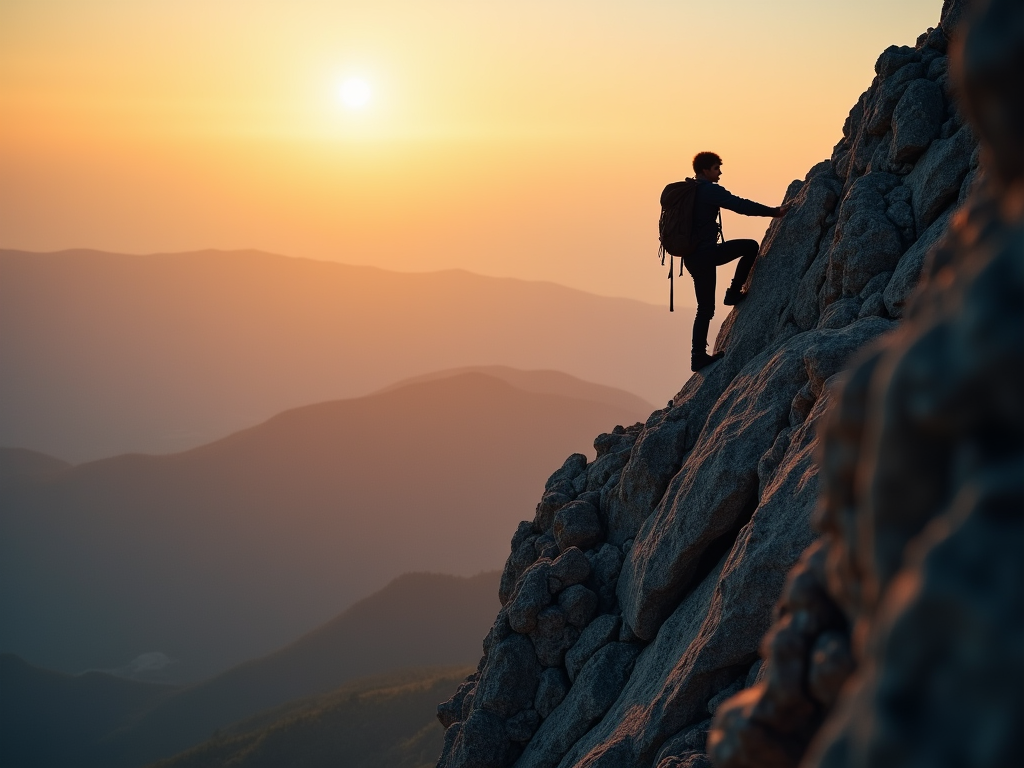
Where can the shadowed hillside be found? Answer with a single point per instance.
(107, 353)
(386, 723)
(19, 462)
(51, 718)
(96, 719)
(228, 551)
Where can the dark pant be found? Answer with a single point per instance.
(701, 266)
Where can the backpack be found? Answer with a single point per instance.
(675, 228)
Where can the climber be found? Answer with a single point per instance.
(709, 253)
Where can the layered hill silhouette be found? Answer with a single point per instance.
(417, 621)
(228, 551)
(109, 353)
(51, 718)
(21, 463)
(382, 723)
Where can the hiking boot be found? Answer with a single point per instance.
(700, 360)
(734, 296)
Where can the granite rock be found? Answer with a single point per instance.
(674, 569)
(917, 119)
(600, 632)
(551, 689)
(916, 588)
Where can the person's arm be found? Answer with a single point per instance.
(723, 198)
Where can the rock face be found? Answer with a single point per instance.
(639, 599)
(902, 629)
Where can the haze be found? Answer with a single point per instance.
(526, 140)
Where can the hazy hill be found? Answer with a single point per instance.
(108, 353)
(20, 462)
(51, 718)
(96, 719)
(228, 551)
(383, 723)
(546, 382)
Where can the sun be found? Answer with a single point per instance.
(355, 93)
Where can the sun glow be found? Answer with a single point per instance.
(355, 93)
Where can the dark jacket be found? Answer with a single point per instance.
(709, 198)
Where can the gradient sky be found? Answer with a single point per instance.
(527, 139)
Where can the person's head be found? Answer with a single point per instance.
(707, 165)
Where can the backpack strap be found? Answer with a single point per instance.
(671, 268)
(671, 282)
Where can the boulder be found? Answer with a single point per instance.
(894, 58)
(916, 121)
(616, 441)
(549, 504)
(508, 683)
(936, 179)
(450, 712)
(873, 306)
(579, 605)
(606, 563)
(600, 632)
(552, 688)
(656, 457)
(866, 241)
(908, 269)
(553, 635)
(570, 469)
(577, 525)
(530, 598)
(890, 91)
(479, 742)
(569, 568)
(524, 554)
(594, 691)
(521, 727)
(840, 314)
(601, 471)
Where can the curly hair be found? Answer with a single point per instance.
(705, 161)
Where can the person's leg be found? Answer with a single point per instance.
(703, 273)
(746, 252)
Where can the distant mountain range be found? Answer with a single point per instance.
(226, 552)
(108, 353)
(50, 719)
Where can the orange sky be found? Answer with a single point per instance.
(526, 139)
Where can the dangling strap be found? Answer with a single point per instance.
(671, 284)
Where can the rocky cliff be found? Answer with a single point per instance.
(636, 601)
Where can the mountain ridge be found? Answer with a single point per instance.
(108, 354)
(303, 505)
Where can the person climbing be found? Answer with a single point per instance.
(707, 252)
